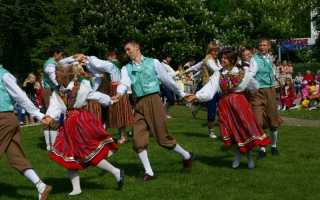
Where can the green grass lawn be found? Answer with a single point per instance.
(301, 114)
(292, 175)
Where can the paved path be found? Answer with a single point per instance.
(300, 122)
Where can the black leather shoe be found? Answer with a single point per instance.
(121, 182)
(146, 177)
(274, 151)
(262, 154)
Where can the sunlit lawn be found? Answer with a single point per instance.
(292, 175)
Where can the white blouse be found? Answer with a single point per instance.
(212, 87)
(97, 66)
(85, 93)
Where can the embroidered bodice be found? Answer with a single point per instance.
(228, 81)
(69, 96)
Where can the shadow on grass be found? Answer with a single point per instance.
(10, 192)
(216, 161)
(64, 186)
(41, 144)
(193, 134)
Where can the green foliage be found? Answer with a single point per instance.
(28, 28)
(243, 22)
(303, 67)
(183, 28)
(57, 26)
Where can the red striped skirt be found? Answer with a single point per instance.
(120, 113)
(82, 141)
(238, 124)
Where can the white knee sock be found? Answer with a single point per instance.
(53, 135)
(34, 178)
(168, 109)
(47, 139)
(274, 136)
(249, 159)
(105, 165)
(182, 152)
(75, 181)
(145, 162)
(237, 155)
(263, 149)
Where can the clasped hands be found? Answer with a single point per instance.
(116, 98)
(47, 120)
(190, 98)
(81, 58)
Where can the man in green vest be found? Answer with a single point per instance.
(49, 84)
(261, 66)
(10, 93)
(143, 75)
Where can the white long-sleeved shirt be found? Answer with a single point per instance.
(85, 93)
(212, 87)
(51, 69)
(19, 96)
(169, 69)
(162, 75)
(210, 64)
(97, 66)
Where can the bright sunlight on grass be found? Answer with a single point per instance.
(292, 175)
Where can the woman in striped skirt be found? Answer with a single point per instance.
(120, 115)
(238, 125)
(82, 140)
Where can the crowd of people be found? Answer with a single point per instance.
(78, 98)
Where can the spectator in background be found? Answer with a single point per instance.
(289, 70)
(39, 89)
(190, 63)
(39, 79)
(286, 95)
(19, 113)
(283, 72)
(179, 81)
(313, 91)
(304, 91)
(31, 93)
(276, 68)
(317, 77)
(308, 77)
(297, 83)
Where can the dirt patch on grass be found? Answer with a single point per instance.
(300, 122)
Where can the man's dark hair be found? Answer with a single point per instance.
(131, 41)
(191, 59)
(55, 49)
(166, 55)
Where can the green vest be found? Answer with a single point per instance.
(6, 102)
(144, 81)
(264, 76)
(47, 82)
(117, 64)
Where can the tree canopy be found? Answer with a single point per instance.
(181, 27)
